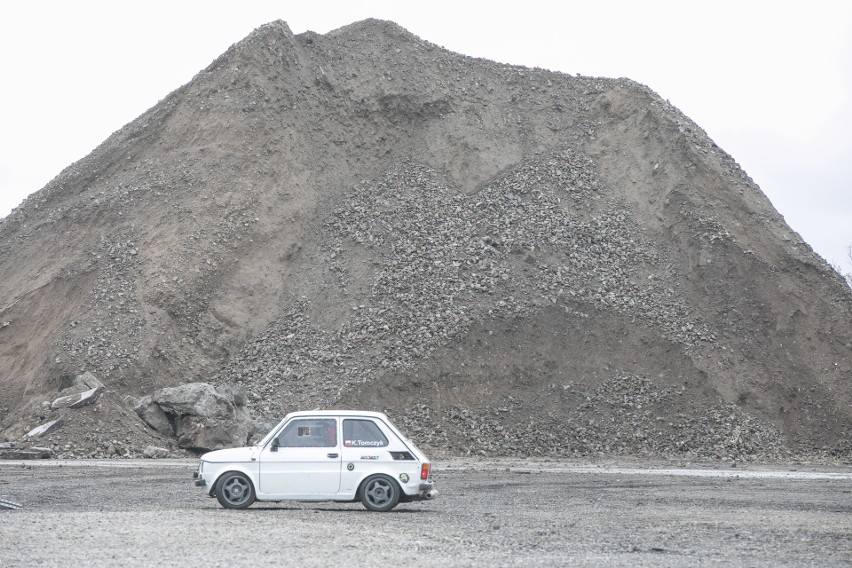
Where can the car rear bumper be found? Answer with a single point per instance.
(426, 492)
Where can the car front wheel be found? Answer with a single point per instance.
(234, 491)
(380, 493)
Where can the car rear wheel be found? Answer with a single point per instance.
(380, 493)
(234, 491)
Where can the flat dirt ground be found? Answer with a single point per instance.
(489, 513)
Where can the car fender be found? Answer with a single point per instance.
(249, 469)
(391, 469)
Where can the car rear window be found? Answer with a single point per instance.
(362, 434)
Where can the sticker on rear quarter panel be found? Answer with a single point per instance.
(362, 444)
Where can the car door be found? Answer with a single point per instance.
(303, 460)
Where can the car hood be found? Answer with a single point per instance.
(230, 455)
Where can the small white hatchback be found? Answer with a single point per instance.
(328, 455)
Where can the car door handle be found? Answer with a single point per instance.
(332, 455)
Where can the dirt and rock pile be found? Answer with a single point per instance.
(507, 260)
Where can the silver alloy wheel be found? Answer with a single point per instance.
(235, 491)
(380, 493)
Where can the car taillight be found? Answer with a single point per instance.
(424, 471)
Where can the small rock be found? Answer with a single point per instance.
(90, 381)
(77, 400)
(154, 452)
(45, 428)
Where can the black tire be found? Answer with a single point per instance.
(234, 491)
(379, 493)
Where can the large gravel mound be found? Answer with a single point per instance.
(507, 260)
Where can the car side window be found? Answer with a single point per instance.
(309, 433)
(363, 434)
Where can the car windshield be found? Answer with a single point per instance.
(271, 433)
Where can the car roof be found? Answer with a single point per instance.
(367, 413)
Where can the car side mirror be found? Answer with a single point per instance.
(275, 444)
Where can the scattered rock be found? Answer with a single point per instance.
(196, 399)
(90, 381)
(77, 400)
(73, 389)
(46, 428)
(6, 504)
(26, 454)
(154, 452)
(45, 452)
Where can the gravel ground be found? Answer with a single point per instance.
(495, 513)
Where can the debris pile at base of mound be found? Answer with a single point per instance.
(625, 416)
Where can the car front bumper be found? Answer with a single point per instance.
(199, 479)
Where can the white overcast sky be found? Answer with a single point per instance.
(770, 81)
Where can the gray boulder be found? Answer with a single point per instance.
(259, 430)
(204, 434)
(200, 416)
(154, 416)
(196, 399)
(238, 392)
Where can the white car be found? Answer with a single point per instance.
(328, 455)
